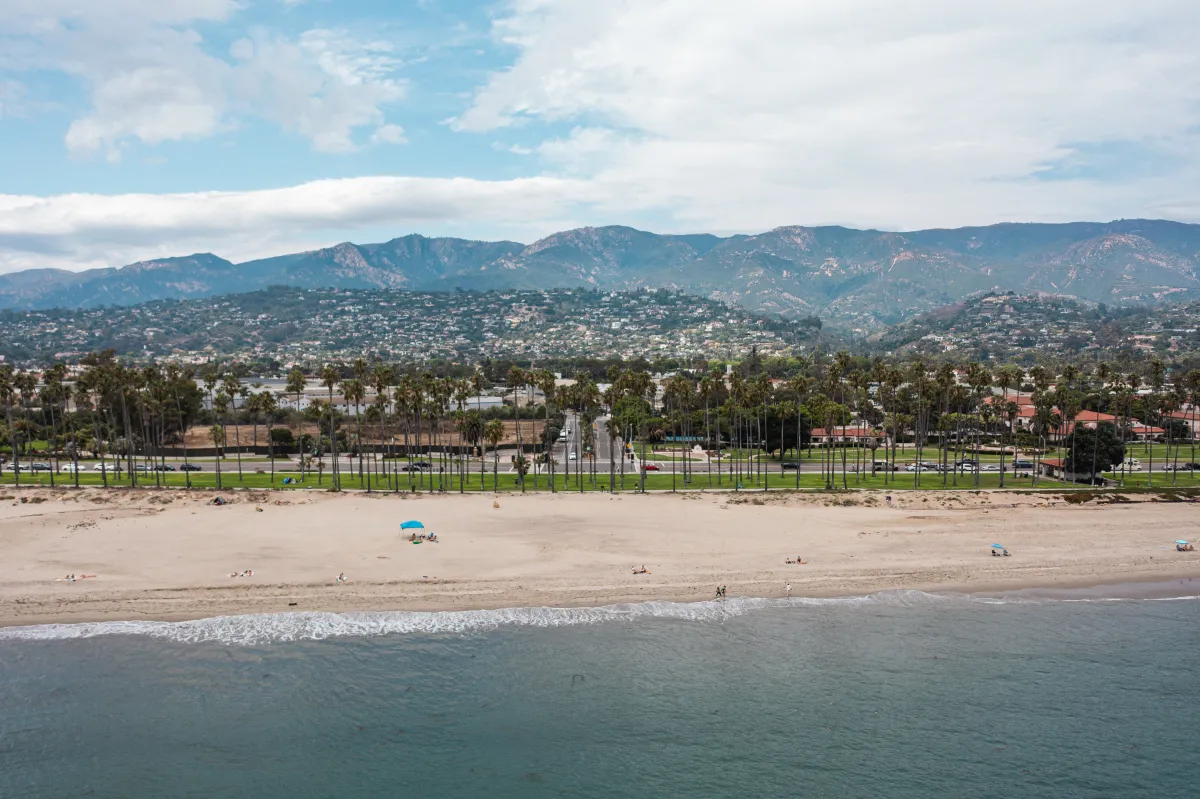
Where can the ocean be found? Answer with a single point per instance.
(903, 694)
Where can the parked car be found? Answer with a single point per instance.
(789, 465)
(650, 467)
(189, 467)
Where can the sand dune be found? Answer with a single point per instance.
(167, 554)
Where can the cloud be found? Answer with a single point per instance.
(152, 78)
(388, 134)
(324, 85)
(78, 230)
(12, 98)
(738, 116)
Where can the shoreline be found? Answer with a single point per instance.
(1162, 586)
(167, 557)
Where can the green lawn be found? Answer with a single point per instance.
(1160, 479)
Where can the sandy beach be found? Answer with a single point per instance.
(168, 554)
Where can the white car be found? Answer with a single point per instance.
(106, 467)
(990, 467)
(71, 467)
(573, 457)
(1130, 465)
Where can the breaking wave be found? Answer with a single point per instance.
(267, 628)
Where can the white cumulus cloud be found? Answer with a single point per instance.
(869, 112)
(152, 79)
(82, 230)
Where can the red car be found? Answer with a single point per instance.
(650, 467)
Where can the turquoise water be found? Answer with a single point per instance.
(896, 695)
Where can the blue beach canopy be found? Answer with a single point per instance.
(1181, 541)
(997, 546)
(411, 524)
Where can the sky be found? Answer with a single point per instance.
(138, 129)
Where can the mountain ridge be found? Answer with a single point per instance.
(860, 278)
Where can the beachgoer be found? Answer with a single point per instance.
(787, 591)
(1005, 553)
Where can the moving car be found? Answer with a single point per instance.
(650, 467)
(164, 467)
(1130, 465)
(1022, 464)
(573, 456)
(189, 467)
(70, 466)
(41, 467)
(789, 465)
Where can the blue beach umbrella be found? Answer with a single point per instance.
(1181, 541)
(411, 524)
(997, 546)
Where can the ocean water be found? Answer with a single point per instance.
(1089, 694)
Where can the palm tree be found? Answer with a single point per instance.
(329, 379)
(8, 394)
(218, 436)
(296, 383)
(1006, 380)
(1158, 372)
(516, 381)
(493, 432)
(1191, 383)
(268, 406)
(354, 393)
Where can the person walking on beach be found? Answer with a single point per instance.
(787, 591)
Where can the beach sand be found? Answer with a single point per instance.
(167, 554)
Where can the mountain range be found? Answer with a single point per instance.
(863, 278)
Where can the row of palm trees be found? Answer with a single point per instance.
(382, 418)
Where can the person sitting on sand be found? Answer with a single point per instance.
(1005, 553)
(341, 578)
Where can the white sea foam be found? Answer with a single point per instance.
(266, 628)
